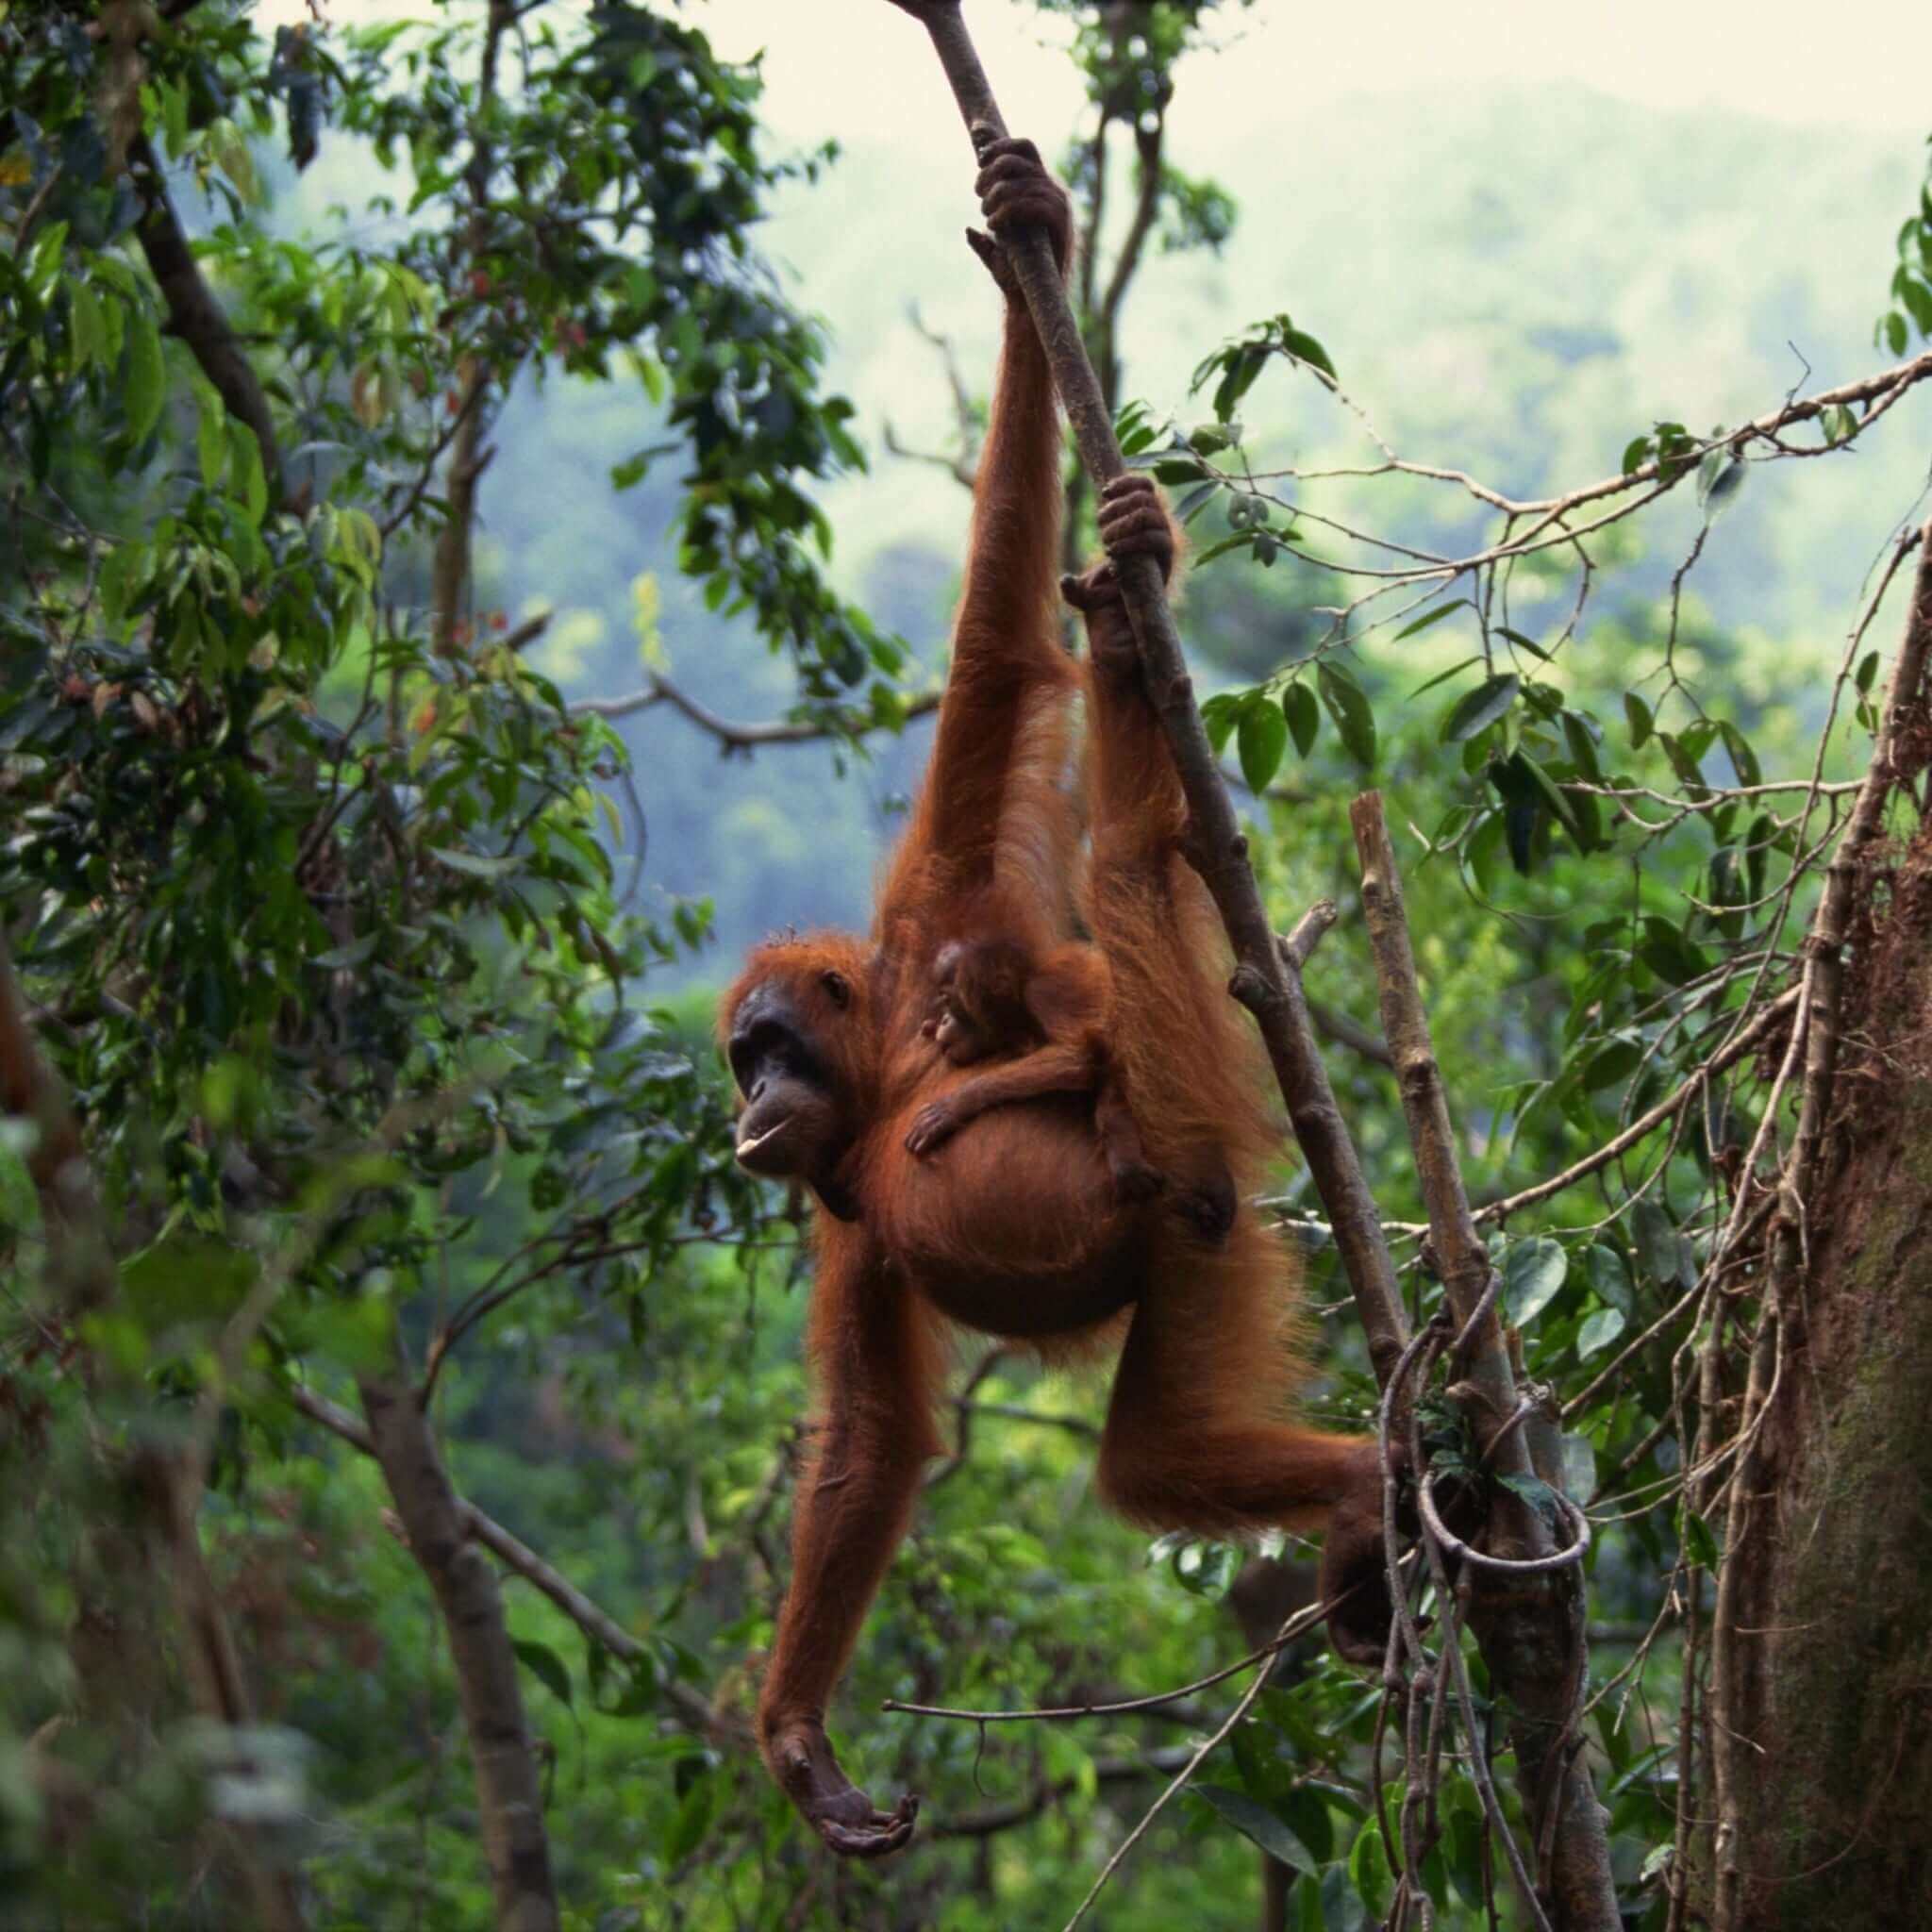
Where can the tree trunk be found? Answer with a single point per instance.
(1833, 1643)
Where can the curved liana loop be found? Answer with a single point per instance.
(1505, 1566)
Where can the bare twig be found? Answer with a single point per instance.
(1106, 1770)
(743, 738)
(1305, 1619)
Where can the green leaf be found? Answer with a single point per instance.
(1299, 342)
(1254, 1821)
(1350, 710)
(1614, 1060)
(354, 954)
(1675, 959)
(146, 388)
(1261, 742)
(1524, 644)
(1368, 1870)
(1720, 477)
(1743, 759)
(245, 461)
(87, 324)
(1657, 1241)
(1533, 1275)
(1429, 684)
(1609, 1279)
(1303, 716)
(1643, 720)
(474, 863)
(1636, 454)
(1759, 838)
(1431, 617)
(1220, 714)
(1700, 1545)
(548, 1668)
(691, 1821)
(1598, 1331)
(210, 436)
(1581, 735)
(1477, 710)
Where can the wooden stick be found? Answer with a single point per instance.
(1218, 847)
(1531, 1639)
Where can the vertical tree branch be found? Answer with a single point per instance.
(1147, 147)
(1219, 848)
(197, 318)
(1461, 1258)
(510, 1792)
(1530, 1631)
(449, 579)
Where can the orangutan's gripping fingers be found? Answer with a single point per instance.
(1134, 522)
(837, 1811)
(932, 1127)
(1016, 192)
(882, 1834)
(994, 257)
(1093, 590)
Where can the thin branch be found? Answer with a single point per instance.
(197, 318)
(742, 738)
(450, 572)
(964, 1410)
(472, 400)
(1304, 1619)
(1106, 1770)
(959, 468)
(1147, 148)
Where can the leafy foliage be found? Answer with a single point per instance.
(320, 913)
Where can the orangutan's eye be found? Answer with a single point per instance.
(837, 989)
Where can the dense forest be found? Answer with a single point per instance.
(482, 517)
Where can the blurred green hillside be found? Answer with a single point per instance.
(1515, 283)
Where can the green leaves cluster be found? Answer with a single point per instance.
(1912, 280)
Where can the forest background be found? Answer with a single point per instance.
(1514, 276)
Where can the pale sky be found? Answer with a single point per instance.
(1862, 60)
(860, 67)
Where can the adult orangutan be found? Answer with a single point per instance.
(1016, 1227)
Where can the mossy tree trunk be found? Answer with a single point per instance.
(1832, 1625)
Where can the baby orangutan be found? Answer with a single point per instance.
(990, 998)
